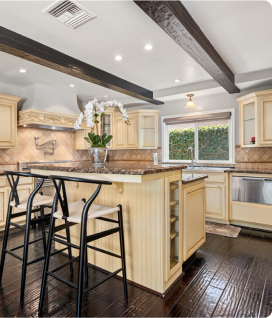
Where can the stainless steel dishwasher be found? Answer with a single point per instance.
(252, 189)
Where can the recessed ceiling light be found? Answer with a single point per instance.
(118, 58)
(106, 96)
(72, 85)
(22, 70)
(177, 80)
(148, 47)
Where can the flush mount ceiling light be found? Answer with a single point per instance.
(118, 58)
(148, 47)
(22, 70)
(177, 80)
(190, 104)
(106, 96)
(72, 85)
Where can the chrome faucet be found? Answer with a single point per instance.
(192, 156)
(43, 146)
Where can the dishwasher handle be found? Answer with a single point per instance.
(254, 179)
(267, 180)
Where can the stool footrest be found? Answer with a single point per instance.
(103, 251)
(64, 242)
(63, 280)
(14, 255)
(16, 215)
(99, 235)
(40, 220)
(102, 280)
(106, 219)
(36, 260)
(17, 225)
(63, 226)
(16, 248)
(65, 264)
(57, 235)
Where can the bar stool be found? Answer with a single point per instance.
(79, 213)
(34, 200)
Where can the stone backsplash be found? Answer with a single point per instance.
(26, 148)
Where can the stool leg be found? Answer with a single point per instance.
(81, 264)
(25, 253)
(86, 268)
(69, 249)
(43, 230)
(5, 242)
(122, 247)
(46, 263)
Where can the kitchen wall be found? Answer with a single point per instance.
(26, 148)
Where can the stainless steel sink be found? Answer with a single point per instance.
(203, 169)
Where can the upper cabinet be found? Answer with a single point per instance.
(255, 119)
(140, 133)
(8, 121)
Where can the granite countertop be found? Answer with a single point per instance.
(188, 178)
(109, 168)
(251, 170)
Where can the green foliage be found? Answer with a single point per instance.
(97, 141)
(213, 142)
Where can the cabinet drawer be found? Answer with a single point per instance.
(25, 180)
(3, 181)
(216, 178)
(253, 213)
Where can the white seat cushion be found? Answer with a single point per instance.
(38, 200)
(76, 209)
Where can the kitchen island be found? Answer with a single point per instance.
(163, 225)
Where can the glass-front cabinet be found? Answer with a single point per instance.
(255, 119)
(173, 225)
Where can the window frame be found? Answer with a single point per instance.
(165, 138)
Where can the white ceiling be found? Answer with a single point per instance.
(240, 31)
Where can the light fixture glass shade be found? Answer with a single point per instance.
(190, 104)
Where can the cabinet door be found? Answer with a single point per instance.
(120, 132)
(173, 223)
(266, 120)
(107, 127)
(3, 206)
(8, 124)
(80, 142)
(132, 132)
(215, 206)
(194, 219)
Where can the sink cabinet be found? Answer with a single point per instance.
(255, 119)
(8, 121)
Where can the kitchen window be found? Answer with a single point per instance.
(210, 134)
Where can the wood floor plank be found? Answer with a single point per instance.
(249, 304)
(179, 310)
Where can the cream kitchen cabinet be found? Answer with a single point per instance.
(194, 217)
(216, 197)
(256, 118)
(140, 133)
(107, 127)
(25, 187)
(8, 121)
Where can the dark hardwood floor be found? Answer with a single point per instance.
(227, 277)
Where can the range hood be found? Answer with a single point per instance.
(48, 108)
(47, 120)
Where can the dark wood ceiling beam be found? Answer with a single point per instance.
(33, 51)
(177, 22)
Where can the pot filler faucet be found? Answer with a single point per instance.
(192, 156)
(54, 142)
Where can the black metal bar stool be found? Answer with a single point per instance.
(34, 200)
(76, 213)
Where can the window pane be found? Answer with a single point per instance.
(213, 140)
(181, 137)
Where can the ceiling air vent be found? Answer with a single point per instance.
(69, 13)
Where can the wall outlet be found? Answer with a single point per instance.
(245, 157)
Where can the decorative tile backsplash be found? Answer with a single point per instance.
(26, 148)
(26, 151)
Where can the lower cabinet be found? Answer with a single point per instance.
(194, 218)
(215, 206)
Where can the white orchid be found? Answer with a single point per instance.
(94, 109)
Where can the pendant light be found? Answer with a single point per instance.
(190, 104)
